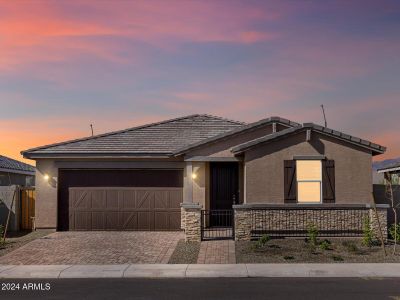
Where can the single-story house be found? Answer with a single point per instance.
(139, 178)
(14, 172)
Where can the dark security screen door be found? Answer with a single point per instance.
(224, 179)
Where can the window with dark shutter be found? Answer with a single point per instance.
(328, 181)
(290, 184)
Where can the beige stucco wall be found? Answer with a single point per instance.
(46, 194)
(201, 183)
(264, 168)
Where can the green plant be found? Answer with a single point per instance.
(262, 241)
(325, 245)
(337, 258)
(392, 232)
(312, 233)
(368, 235)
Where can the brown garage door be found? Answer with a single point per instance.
(124, 208)
(119, 199)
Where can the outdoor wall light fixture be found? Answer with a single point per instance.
(46, 177)
(194, 175)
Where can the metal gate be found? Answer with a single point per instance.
(217, 224)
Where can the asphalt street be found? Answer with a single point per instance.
(208, 288)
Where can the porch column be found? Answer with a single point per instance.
(188, 183)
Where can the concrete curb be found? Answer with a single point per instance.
(200, 271)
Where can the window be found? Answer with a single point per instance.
(309, 181)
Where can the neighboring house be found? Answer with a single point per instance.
(13, 175)
(136, 179)
(14, 172)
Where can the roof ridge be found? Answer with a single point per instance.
(223, 119)
(108, 133)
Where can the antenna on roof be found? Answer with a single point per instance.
(91, 127)
(323, 112)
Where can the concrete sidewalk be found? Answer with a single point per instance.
(199, 271)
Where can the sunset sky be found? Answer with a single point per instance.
(117, 64)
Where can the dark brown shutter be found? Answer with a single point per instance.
(328, 181)
(290, 183)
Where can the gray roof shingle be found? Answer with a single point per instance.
(376, 149)
(239, 130)
(161, 138)
(7, 163)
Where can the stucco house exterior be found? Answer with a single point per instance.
(161, 176)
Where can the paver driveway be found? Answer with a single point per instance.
(106, 247)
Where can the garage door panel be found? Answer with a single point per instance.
(97, 200)
(145, 199)
(128, 199)
(128, 221)
(145, 220)
(112, 198)
(161, 220)
(116, 209)
(82, 220)
(175, 198)
(175, 220)
(161, 200)
(112, 220)
(98, 221)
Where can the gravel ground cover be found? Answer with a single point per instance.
(185, 253)
(300, 251)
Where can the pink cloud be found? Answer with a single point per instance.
(49, 31)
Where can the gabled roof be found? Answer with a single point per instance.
(375, 148)
(239, 130)
(395, 167)
(156, 139)
(14, 166)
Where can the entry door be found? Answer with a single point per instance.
(224, 179)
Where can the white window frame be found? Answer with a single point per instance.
(297, 184)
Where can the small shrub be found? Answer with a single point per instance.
(350, 246)
(312, 233)
(392, 232)
(368, 235)
(325, 245)
(337, 258)
(262, 241)
(288, 257)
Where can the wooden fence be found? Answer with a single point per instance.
(27, 196)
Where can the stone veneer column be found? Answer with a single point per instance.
(382, 215)
(191, 221)
(242, 223)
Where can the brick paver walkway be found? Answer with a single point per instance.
(217, 252)
(106, 247)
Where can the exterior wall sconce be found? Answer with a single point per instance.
(194, 175)
(46, 177)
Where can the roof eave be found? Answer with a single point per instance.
(95, 155)
(310, 126)
(14, 171)
(241, 130)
